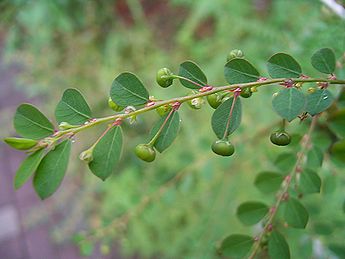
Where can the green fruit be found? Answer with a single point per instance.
(280, 138)
(214, 100)
(235, 53)
(164, 77)
(246, 92)
(223, 147)
(145, 152)
(164, 109)
(112, 105)
(20, 143)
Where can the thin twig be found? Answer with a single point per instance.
(305, 146)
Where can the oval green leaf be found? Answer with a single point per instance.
(295, 214)
(289, 103)
(72, 108)
(20, 143)
(169, 131)
(239, 70)
(127, 89)
(323, 228)
(251, 212)
(282, 65)
(236, 246)
(285, 162)
(106, 154)
(192, 71)
(323, 60)
(277, 246)
(310, 182)
(27, 168)
(338, 150)
(29, 122)
(224, 124)
(336, 122)
(51, 170)
(314, 158)
(318, 101)
(268, 182)
(337, 249)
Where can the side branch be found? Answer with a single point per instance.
(283, 192)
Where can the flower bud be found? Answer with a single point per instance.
(86, 155)
(235, 53)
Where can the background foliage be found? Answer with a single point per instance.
(184, 203)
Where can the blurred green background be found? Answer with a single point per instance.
(183, 204)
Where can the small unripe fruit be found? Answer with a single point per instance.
(86, 155)
(145, 152)
(164, 77)
(246, 92)
(112, 105)
(223, 147)
(214, 100)
(235, 53)
(280, 138)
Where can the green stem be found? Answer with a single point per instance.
(283, 125)
(183, 99)
(305, 146)
(156, 136)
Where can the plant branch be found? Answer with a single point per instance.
(183, 99)
(305, 146)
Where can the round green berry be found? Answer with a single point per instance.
(214, 100)
(246, 92)
(223, 147)
(164, 77)
(145, 152)
(112, 105)
(280, 138)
